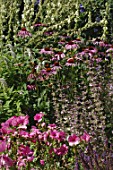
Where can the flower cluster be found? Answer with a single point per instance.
(20, 147)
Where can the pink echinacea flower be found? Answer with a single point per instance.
(24, 33)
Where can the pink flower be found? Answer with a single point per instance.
(6, 130)
(25, 151)
(3, 146)
(23, 133)
(62, 136)
(6, 161)
(16, 121)
(46, 51)
(59, 55)
(31, 76)
(56, 66)
(42, 162)
(46, 73)
(22, 120)
(85, 137)
(70, 62)
(24, 33)
(62, 42)
(61, 150)
(51, 126)
(21, 162)
(54, 134)
(73, 140)
(71, 45)
(8, 122)
(31, 87)
(25, 154)
(91, 50)
(38, 117)
(43, 136)
(85, 54)
(34, 132)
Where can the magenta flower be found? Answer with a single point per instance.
(62, 136)
(34, 132)
(38, 117)
(21, 162)
(24, 33)
(16, 121)
(8, 122)
(31, 87)
(42, 162)
(43, 136)
(25, 154)
(51, 150)
(85, 137)
(6, 130)
(22, 120)
(23, 133)
(61, 150)
(73, 140)
(6, 161)
(54, 134)
(25, 151)
(3, 146)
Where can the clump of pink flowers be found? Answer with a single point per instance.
(23, 148)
